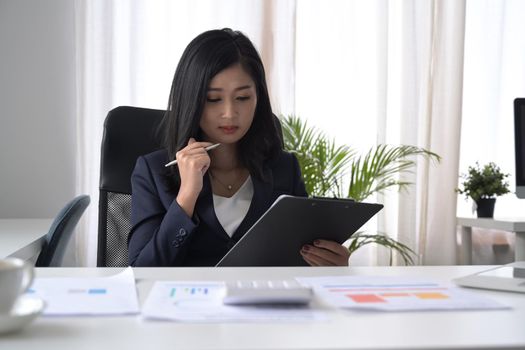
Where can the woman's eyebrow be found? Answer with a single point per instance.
(244, 87)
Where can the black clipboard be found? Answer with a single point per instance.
(277, 237)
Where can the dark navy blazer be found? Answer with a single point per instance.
(163, 234)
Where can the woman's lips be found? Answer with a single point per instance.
(228, 129)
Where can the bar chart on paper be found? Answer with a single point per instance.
(191, 292)
(191, 295)
(389, 293)
(394, 294)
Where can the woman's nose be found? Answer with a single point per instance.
(229, 109)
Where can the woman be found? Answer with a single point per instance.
(192, 213)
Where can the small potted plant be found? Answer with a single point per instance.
(483, 185)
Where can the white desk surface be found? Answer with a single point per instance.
(22, 238)
(501, 329)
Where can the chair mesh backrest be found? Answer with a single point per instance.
(118, 225)
(129, 132)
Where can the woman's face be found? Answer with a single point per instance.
(230, 106)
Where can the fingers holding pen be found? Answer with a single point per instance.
(193, 157)
(194, 147)
(197, 144)
(192, 161)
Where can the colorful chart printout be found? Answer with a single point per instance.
(395, 294)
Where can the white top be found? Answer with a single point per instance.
(447, 330)
(231, 211)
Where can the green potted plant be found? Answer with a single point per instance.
(483, 185)
(337, 171)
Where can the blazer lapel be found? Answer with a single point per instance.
(261, 201)
(205, 209)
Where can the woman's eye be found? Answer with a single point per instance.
(243, 98)
(209, 99)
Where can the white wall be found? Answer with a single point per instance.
(37, 106)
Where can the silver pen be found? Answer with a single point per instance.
(209, 148)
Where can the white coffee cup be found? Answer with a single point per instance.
(16, 276)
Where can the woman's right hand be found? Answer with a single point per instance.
(193, 162)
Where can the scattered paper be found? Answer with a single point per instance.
(395, 294)
(202, 302)
(113, 295)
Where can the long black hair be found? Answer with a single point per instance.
(204, 57)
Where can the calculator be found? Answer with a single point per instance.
(249, 292)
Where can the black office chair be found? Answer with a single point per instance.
(129, 132)
(60, 233)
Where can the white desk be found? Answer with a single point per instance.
(500, 329)
(512, 225)
(22, 238)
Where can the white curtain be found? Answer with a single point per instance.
(365, 72)
(494, 77)
(440, 132)
(391, 72)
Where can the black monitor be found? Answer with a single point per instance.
(519, 145)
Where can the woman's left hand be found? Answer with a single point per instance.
(325, 253)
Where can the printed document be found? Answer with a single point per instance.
(395, 294)
(202, 302)
(113, 295)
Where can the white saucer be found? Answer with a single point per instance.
(25, 310)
